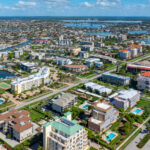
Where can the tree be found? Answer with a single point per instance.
(11, 55)
(130, 118)
(147, 108)
(127, 128)
(8, 136)
(40, 148)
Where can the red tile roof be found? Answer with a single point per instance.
(20, 119)
(145, 73)
(134, 45)
(124, 50)
(75, 66)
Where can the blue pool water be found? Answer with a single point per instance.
(137, 111)
(85, 106)
(3, 66)
(1, 101)
(110, 137)
(21, 70)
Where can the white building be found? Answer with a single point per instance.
(18, 53)
(90, 62)
(97, 88)
(63, 61)
(33, 81)
(143, 81)
(103, 115)
(125, 98)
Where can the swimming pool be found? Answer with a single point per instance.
(110, 136)
(3, 66)
(1, 101)
(137, 111)
(85, 106)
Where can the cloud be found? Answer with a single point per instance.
(86, 4)
(107, 3)
(27, 3)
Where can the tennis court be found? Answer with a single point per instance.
(4, 86)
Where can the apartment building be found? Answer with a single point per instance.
(33, 81)
(64, 42)
(83, 54)
(125, 98)
(18, 53)
(103, 115)
(29, 67)
(135, 46)
(143, 81)
(87, 46)
(137, 68)
(133, 51)
(130, 52)
(64, 134)
(115, 79)
(124, 54)
(64, 101)
(97, 88)
(90, 62)
(17, 124)
(75, 68)
(122, 37)
(63, 61)
(106, 58)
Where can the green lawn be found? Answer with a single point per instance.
(6, 104)
(143, 102)
(87, 75)
(35, 116)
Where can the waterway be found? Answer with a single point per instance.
(138, 32)
(6, 75)
(102, 34)
(84, 25)
(16, 46)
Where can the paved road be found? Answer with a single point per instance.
(132, 145)
(71, 86)
(60, 90)
(132, 135)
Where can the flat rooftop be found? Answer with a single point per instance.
(95, 121)
(103, 105)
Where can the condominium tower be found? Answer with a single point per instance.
(64, 134)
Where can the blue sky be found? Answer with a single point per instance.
(74, 7)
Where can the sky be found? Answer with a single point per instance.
(74, 7)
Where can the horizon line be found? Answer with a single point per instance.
(76, 16)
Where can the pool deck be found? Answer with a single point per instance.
(81, 106)
(107, 133)
(140, 113)
(2, 99)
